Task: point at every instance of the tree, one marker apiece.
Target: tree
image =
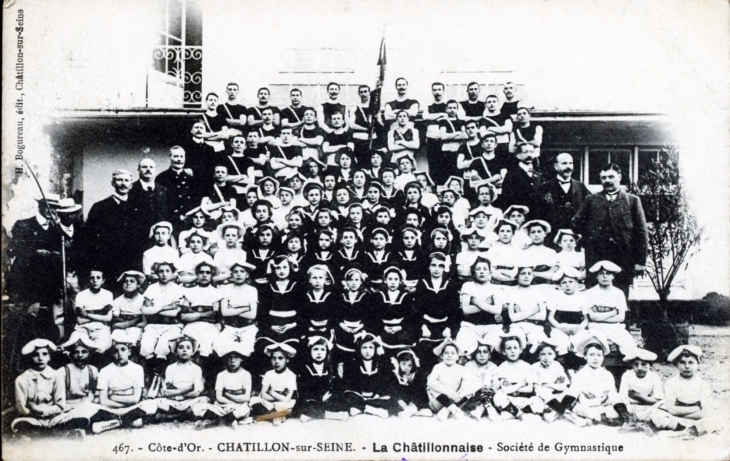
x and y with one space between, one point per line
674 234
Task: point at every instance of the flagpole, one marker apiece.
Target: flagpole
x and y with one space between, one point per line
375 97
55 220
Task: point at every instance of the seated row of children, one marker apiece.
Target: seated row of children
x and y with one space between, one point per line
461 384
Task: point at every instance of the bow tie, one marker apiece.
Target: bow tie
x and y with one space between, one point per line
567 181
611 197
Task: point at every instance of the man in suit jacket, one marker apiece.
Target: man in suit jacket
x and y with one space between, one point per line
561 197
178 180
151 202
613 226
35 248
109 233
521 181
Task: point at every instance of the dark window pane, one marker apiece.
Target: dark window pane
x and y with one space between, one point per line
623 159
193 24
596 161
646 162
175 15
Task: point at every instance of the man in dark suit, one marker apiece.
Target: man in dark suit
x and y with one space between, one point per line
561 197
35 247
201 158
151 202
613 226
110 231
521 181
178 180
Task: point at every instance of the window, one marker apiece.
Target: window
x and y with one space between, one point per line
647 158
177 55
598 158
167 55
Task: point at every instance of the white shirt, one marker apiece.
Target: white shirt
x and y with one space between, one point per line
650 385
127 306
456 378
484 374
574 259
238 382
189 261
115 378
688 391
514 372
549 375
91 301
158 254
280 382
182 375
164 295
596 381
611 297
226 257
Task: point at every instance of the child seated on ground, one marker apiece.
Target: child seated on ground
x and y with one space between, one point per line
484 370
514 381
179 392
640 386
94 311
450 385
40 394
80 378
548 376
317 384
120 389
606 308
127 308
232 391
279 386
409 387
687 397
593 388
365 380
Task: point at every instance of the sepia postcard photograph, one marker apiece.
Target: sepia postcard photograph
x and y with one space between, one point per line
365 230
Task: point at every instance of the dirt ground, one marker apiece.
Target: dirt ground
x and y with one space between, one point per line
368 434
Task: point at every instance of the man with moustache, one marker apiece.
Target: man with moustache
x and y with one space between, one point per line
150 200
109 230
332 105
401 102
255 118
613 227
178 180
200 158
561 197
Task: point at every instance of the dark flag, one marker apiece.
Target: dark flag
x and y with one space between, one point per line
375 95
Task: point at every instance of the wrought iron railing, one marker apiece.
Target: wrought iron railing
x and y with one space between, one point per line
182 66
